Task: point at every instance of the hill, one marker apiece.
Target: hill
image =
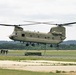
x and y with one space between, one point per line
69 42
64 42
66 45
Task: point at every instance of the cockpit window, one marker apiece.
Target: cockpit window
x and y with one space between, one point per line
13 33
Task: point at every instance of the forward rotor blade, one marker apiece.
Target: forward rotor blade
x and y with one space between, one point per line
6 25
15 25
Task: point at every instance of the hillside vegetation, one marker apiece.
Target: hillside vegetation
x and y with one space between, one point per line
66 45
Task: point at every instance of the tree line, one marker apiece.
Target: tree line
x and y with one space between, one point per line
21 46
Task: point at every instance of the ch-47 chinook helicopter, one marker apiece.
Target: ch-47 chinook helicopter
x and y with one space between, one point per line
56 34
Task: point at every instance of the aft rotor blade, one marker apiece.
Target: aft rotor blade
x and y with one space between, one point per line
65 24
34 22
68 23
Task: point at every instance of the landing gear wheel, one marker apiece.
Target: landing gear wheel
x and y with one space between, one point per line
51 45
27 44
33 44
57 45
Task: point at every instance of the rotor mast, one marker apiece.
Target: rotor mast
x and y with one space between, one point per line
17 28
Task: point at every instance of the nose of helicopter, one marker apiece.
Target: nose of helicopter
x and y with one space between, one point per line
11 37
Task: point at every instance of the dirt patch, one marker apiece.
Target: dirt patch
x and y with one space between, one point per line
39 65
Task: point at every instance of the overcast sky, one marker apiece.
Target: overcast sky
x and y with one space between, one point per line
55 11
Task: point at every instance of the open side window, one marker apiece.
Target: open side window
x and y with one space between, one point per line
23 35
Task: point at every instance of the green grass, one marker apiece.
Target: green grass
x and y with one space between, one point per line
18 58
70 54
20 72
48 52
63 55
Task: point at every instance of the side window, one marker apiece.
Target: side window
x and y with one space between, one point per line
61 38
23 35
45 37
15 33
30 35
48 37
38 36
52 38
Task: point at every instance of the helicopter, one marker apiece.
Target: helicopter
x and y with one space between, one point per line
55 36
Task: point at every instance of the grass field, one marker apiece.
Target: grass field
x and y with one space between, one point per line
59 55
19 72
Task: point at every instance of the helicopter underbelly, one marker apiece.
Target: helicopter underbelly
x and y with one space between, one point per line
41 40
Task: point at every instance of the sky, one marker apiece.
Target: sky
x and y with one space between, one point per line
53 11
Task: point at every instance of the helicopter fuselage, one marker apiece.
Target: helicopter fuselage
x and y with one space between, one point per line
55 36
